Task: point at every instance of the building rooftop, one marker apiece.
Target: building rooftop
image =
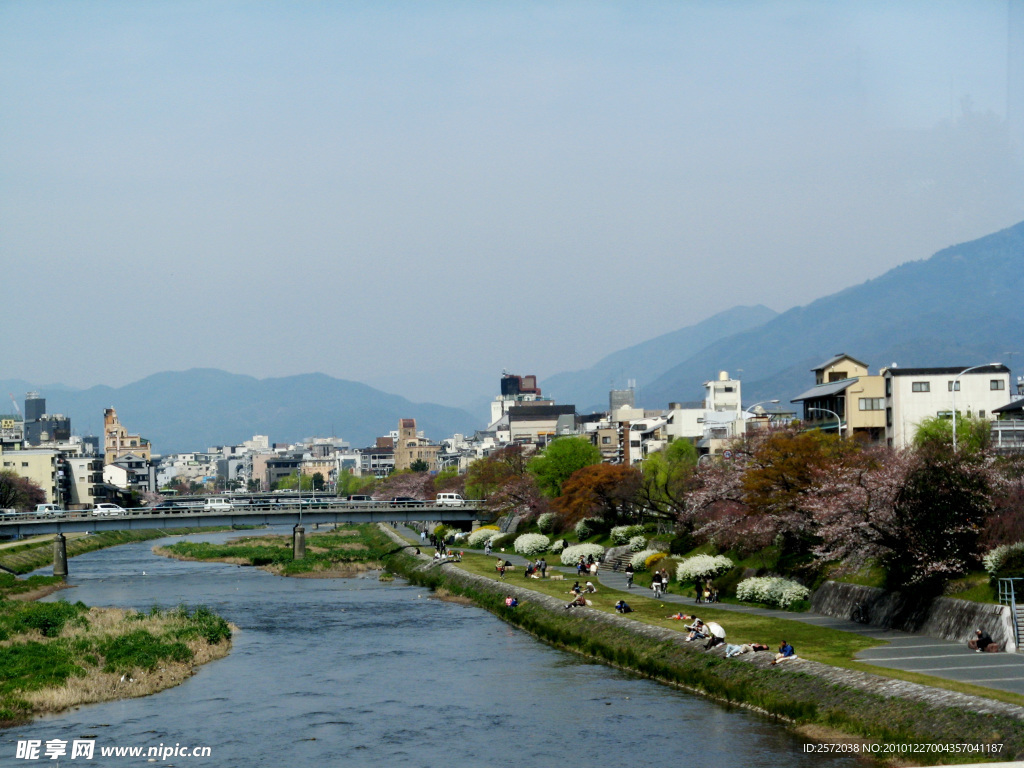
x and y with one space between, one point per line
824 390
946 371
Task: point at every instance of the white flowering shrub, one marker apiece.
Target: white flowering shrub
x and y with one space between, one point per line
994 559
771 590
481 535
530 544
546 522
558 546
571 555
637 543
700 567
622 534
587 527
639 560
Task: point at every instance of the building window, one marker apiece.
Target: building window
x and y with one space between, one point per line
997 384
888 417
872 403
605 440
981 414
888 387
954 386
921 386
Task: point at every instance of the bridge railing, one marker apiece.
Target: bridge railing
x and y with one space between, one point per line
222 508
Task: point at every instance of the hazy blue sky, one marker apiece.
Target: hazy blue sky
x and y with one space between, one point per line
395 192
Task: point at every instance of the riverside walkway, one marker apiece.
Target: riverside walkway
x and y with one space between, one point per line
904 651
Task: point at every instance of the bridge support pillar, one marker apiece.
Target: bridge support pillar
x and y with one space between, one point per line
60 556
298 543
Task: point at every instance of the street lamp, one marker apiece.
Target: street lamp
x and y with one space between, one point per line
839 421
955 387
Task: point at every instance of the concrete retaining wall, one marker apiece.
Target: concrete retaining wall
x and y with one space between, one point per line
941 617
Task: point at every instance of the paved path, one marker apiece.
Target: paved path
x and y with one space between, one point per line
909 652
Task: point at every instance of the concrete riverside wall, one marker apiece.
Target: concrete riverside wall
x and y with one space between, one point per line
887 687
941 617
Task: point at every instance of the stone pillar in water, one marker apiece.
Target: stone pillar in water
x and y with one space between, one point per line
60 556
298 542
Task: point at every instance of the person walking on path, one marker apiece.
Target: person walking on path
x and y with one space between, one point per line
629 575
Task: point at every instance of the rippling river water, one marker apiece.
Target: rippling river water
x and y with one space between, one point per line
356 672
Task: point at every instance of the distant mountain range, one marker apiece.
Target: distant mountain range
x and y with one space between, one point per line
196 409
646 362
963 306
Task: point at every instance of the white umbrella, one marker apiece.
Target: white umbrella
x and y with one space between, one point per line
715 629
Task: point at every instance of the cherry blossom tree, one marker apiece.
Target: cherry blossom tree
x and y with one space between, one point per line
917 513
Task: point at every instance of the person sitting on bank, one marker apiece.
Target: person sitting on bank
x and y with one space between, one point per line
576 588
697 630
680 616
579 602
785 653
622 607
981 641
590 589
511 602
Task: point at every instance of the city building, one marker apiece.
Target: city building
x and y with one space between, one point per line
915 394
411 447
118 442
847 399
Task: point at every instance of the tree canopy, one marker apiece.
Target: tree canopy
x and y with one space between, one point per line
559 460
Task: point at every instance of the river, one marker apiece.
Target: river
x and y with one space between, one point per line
358 672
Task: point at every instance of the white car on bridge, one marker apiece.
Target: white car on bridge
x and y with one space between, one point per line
104 509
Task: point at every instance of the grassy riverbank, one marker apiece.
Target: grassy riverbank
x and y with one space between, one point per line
805 701
32 555
54 656
343 551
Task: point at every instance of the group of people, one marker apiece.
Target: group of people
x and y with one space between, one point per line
536 570
511 602
707 593
588 565
659 582
579 594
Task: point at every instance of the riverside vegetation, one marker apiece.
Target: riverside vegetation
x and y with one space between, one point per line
35 554
60 655
343 551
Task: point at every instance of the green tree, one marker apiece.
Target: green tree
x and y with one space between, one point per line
559 460
349 484
668 477
318 481
295 481
973 435
419 466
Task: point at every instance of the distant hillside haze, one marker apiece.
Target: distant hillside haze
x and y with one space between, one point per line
647 361
196 409
962 306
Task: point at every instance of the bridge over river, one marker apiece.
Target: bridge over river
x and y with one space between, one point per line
294 512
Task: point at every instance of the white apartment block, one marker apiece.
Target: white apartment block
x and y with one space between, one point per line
915 394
